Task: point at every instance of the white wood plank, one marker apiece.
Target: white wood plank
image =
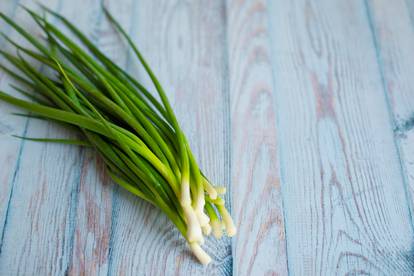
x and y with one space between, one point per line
184 43
260 246
393 35
40 229
345 205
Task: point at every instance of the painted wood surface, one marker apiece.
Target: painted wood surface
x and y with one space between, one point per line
183 41
344 197
260 246
303 109
393 40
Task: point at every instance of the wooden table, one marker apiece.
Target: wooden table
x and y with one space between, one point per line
304 109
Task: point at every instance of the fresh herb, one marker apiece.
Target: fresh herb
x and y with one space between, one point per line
139 137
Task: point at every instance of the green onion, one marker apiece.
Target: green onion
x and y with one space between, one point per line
138 137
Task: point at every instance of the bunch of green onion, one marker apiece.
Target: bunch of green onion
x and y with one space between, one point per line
138 136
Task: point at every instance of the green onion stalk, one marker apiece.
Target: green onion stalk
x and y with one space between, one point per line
137 135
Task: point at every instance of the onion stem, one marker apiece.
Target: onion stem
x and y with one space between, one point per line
138 137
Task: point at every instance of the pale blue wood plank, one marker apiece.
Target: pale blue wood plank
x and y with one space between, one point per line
344 199
21 221
260 245
10 157
12 149
42 228
183 42
93 215
393 34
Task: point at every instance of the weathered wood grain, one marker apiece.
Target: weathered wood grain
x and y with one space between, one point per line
28 203
43 224
345 205
92 213
394 40
92 221
184 43
10 154
309 102
260 246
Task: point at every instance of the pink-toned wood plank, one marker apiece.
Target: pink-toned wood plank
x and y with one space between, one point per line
260 246
184 42
91 233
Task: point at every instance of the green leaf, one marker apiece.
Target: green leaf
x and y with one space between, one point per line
59 141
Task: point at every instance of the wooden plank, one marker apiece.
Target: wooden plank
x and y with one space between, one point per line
8 262
93 212
183 42
393 34
345 206
260 246
41 226
92 219
9 124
